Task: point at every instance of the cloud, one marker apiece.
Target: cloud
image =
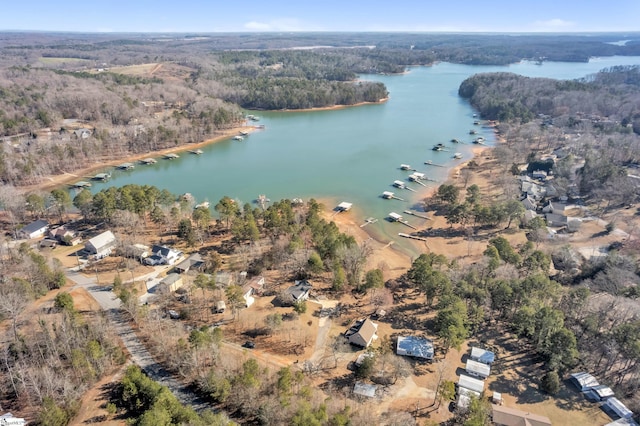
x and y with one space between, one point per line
553 24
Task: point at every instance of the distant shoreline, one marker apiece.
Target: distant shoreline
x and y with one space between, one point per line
333 107
51 182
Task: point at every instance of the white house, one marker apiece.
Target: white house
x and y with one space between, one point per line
34 229
247 295
362 333
101 245
162 255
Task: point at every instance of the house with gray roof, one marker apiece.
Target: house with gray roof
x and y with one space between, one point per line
417 347
34 229
299 291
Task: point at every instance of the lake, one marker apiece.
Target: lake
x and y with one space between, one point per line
351 154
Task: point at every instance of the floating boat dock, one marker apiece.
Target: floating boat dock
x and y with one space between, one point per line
417 178
390 196
395 217
400 184
406 167
342 207
416 214
431 163
101 176
369 221
81 184
413 237
148 161
171 156
457 155
238 138
196 151
125 166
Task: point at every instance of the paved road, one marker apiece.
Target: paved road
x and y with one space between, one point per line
139 354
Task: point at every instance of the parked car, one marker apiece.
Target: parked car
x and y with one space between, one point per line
173 314
249 344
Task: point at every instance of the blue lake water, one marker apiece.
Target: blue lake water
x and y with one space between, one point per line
350 154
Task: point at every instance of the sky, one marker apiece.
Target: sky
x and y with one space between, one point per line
321 15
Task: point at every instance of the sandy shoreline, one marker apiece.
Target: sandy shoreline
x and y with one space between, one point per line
51 182
393 259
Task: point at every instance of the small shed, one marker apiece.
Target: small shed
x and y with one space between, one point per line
616 407
584 381
478 369
220 307
358 362
470 383
496 398
365 390
622 422
417 347
482 355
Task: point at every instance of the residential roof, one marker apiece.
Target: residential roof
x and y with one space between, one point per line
478 368
34 226
602 391
419 347
257 283
102 240
622 422
364 389
584 380
618 408
554 219
511 417
364 334
482 355
170 279
470 383
163 250
299 289
464 397
193 261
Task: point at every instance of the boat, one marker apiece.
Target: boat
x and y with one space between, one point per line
438 147
196 151
454 140
405 167
475 115
472 132
244 133
476 122
171 156
125 166
253 117
238 138
148 161
457 155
